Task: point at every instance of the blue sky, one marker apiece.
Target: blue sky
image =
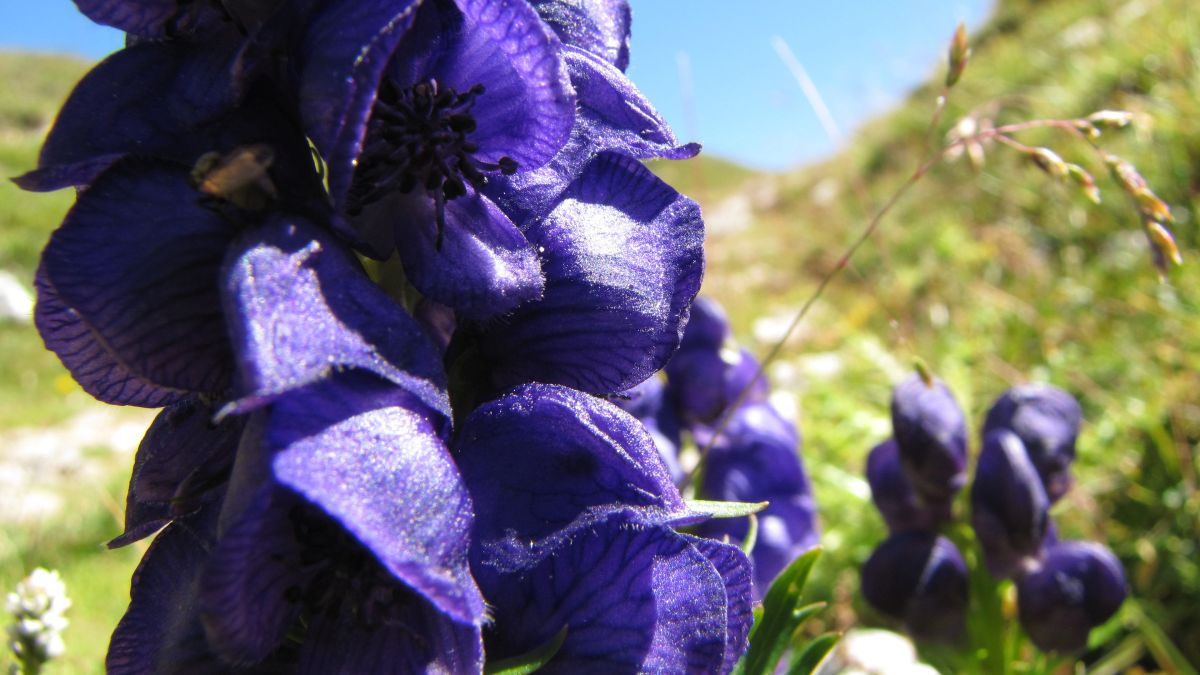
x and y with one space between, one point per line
862 57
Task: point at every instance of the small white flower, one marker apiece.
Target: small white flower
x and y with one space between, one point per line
37 607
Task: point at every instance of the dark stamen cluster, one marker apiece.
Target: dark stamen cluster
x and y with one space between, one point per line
418 139
344 579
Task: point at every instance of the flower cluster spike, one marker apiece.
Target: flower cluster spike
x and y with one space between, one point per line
715 392
915 575
417 469
1064 588
37 607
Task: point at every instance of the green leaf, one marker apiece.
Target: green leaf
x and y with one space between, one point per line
810 656
530 660
781 616
725 509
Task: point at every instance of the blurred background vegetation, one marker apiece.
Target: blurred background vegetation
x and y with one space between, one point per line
993 277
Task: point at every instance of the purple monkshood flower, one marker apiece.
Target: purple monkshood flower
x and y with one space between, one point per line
921 579
1078 586
415 106
757 458
1047 420
1009 507
574 516
705 383
902 507
931 433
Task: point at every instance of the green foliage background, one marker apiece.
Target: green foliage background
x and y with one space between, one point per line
992 278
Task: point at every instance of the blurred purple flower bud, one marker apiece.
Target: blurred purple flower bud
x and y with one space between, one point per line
757 459
920 578
1046 419
705 383
647 402
901 507
931 434
1078 586
1008 505
708 327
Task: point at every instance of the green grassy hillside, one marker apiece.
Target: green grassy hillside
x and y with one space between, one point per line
1004 275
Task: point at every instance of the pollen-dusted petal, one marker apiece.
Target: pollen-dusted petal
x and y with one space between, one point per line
735 571
648 403
301 307
485 266
132 273
1009 506
419 640
373 458
537 458
344 52
623 258
634 599
597 26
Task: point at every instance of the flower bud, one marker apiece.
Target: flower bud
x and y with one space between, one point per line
920 578
703 383
707 326
1078 586
959 54
1049 161
1111 118
1046 419
1008 505
931 434
901 507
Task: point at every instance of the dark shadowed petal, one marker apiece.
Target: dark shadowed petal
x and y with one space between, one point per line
540 456
921 578
373 458
156 19
416 639
902 508
633 598
597 26
180 463
250 580
612 115
161 630
136 264
97 370
57 177
1009 507
734 569
485 266
931 433
1079 586
344 53
1046 419
148 99
300 306
623 259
